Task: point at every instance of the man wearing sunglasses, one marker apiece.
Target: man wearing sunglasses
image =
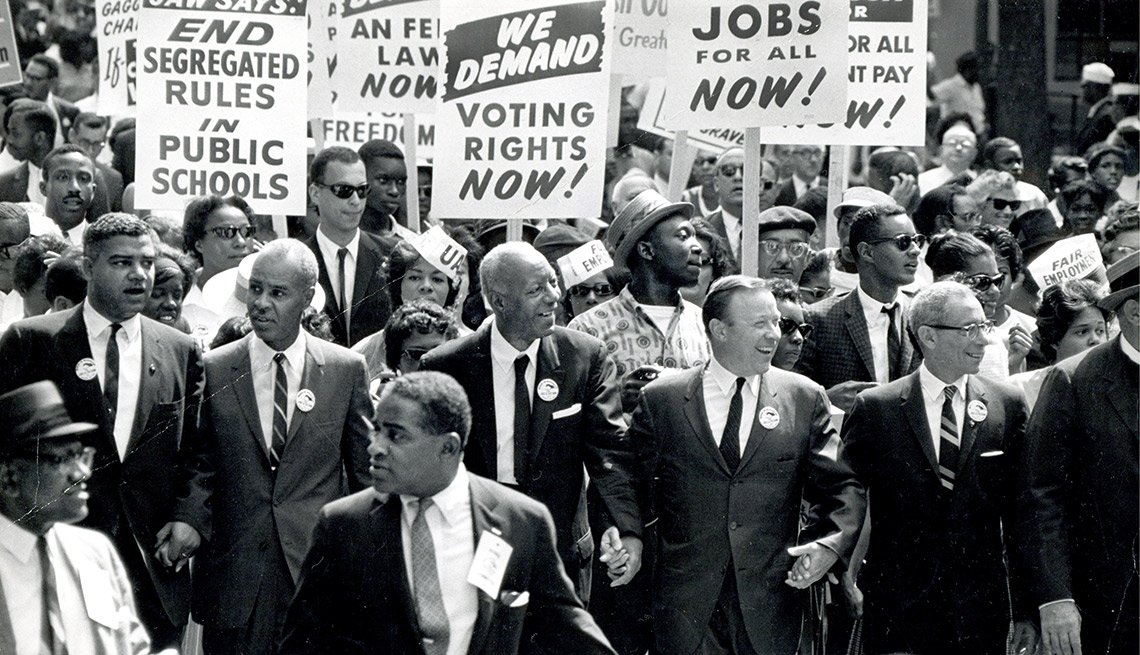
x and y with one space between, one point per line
349 259
937 451
729 183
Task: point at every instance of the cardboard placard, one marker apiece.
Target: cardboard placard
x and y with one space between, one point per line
387 55
116 26
640 41
583 262
441 251
353 130
1073 258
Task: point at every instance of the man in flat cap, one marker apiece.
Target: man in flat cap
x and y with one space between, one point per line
62 588
784 247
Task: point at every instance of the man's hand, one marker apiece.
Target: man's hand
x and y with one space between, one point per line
843 394
177 542
813 561
631 388
853 595
621 555
1024 638
1061 628
1020 342
903 188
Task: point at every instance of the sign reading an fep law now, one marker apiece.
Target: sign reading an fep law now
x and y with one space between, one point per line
116 26
220 103
387 55
886 80
741 63
521 125
640 42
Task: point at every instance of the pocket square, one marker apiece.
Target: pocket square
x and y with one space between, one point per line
569 411
992 453
514 598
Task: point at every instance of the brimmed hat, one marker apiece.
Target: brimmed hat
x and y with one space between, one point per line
33 413
862 196
558 240
1097 73
1035 230
782 218
1123 282
225 293
636 219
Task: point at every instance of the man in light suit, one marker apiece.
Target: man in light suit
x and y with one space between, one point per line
570 417
284 426
434 559
937 451
730 449
140 383
75 594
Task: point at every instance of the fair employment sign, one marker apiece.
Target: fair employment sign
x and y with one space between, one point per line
521 124
387 56
218 104
117 24
755 64
886 80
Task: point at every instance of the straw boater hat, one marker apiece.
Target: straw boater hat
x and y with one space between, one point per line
1123 282
636 219
862 196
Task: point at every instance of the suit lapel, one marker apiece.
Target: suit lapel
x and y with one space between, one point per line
311 380
241 381
699 419
549 368
74 347
148 389
483 519
331 307
367 263
1121 391
857 328
483 402
975 392
765 398
389 551
914 409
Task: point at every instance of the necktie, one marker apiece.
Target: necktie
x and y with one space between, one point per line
111 370
280 411
948 433
51 631
730 439
341 295
522 420
425 578
894 343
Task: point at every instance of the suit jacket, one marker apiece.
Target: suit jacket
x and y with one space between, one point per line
240 506
111 182
137 491
716 221
787 193
935 579
14 188
371 305
67 112
1080 488
101 619
583 425
839 349
354 595
710 519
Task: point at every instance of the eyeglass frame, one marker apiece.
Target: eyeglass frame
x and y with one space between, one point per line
971 331
788 325
990 280
912 239
361 190
246 231
1013 205
85 456
785 246
818 293
596 289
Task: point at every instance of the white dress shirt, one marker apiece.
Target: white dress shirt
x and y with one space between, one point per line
264 371
732 229
21 576
35 176
933 395
11 308
802 186
75 234
503 356
878 325
719 385
328 253
453 534
129 339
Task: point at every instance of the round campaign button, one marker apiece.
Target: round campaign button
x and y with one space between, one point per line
769 418
85 369
547 390
977 411
306 400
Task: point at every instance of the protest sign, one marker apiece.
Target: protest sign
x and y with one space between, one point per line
1074 258
117 25
886 80
9 56
387 54
352 130
652 120
639 37
521 126
441 251
322 57
585 261
220 84
755 63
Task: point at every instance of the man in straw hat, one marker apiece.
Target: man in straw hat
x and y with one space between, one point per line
62 588
1079 524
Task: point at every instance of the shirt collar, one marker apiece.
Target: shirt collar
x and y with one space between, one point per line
261 355
97 323
16 540
933 388
726 380
329 249
504 354
872 306
452 501
1129 351
75 234
729 217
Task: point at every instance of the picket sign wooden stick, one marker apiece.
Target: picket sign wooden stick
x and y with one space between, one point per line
837 171
514 229
749 237
318 127
412 196
682 164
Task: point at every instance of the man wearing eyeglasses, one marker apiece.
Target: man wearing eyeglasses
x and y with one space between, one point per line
784 249
61 587
729 184
807 162
349 259
937 452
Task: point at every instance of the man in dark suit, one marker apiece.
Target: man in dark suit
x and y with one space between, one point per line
434 559
349 259
730 449
807 162
284 422
729 184
387 188
536 431
937 451
1080 528
140 382
860 339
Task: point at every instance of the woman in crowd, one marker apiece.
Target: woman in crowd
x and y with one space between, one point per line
958 147
594 290
1013 327
716 262
815 282
173 277
793 330
996 195
1122 232
1106 167
1082 203
217 231
413 329
947 207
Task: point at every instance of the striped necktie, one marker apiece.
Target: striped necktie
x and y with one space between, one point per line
948 434
280 412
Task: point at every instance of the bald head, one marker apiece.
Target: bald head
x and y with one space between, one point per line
522 290
296 255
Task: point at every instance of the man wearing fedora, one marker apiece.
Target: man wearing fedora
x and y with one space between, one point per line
284 428
1079 525
62 588
140 382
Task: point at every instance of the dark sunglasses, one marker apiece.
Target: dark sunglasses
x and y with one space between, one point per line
818 293
1000 204
983 282
583 290
788 326
345 191
903 241
230 231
